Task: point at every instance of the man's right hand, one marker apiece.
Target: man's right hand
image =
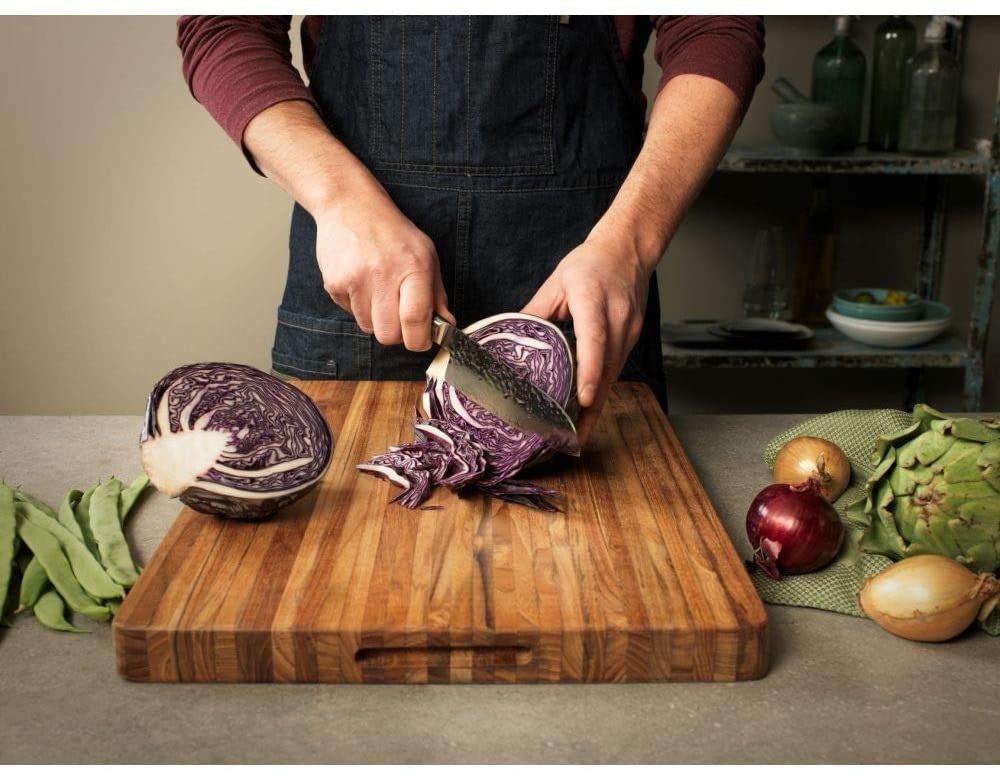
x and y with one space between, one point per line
375 262
380 267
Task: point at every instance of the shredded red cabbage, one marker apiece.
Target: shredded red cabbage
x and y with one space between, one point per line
462 446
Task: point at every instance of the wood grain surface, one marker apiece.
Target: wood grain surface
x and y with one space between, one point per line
636 580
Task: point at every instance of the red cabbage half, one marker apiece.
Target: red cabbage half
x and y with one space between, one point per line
232 440
461 445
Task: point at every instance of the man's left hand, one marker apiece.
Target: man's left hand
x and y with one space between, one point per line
602 285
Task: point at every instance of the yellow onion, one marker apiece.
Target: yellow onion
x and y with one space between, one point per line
928 597
804 458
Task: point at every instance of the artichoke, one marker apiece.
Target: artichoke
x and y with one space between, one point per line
936 490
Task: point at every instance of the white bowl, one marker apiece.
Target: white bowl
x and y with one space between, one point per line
937 319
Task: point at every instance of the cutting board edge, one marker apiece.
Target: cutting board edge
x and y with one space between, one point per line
751 646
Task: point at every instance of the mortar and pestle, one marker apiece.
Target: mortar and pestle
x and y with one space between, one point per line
806 127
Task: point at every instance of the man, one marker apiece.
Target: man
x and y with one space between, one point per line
468 166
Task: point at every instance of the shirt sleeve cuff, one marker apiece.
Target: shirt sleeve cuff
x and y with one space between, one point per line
729 50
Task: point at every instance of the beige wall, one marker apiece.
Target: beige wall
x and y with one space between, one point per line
133 237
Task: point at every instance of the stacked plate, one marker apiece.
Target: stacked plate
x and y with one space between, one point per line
762 333
935 319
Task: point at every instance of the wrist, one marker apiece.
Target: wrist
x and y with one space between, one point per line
341 187
631 241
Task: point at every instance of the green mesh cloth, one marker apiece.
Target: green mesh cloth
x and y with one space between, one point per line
836 587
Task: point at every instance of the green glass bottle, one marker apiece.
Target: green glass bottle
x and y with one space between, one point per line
930 98
895 41
838 77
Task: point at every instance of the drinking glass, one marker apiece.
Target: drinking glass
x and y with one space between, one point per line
766 293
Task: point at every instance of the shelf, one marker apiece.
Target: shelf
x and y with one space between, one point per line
828 349
780 160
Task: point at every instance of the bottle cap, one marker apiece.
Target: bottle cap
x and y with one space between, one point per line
841 25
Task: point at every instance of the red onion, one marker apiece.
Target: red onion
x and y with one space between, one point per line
793 529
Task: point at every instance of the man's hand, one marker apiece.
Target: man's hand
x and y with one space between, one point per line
602 285
380 267
375 263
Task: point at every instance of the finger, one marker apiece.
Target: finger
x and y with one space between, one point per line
385 317
416 306
591 329
615 352
546 302
360 306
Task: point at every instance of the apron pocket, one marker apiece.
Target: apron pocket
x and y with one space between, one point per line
464 94
312 348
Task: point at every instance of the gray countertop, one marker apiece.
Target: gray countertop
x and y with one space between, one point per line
839 689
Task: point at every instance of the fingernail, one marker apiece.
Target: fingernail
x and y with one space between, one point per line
587 395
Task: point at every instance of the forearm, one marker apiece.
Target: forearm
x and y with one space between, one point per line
293 147
692 122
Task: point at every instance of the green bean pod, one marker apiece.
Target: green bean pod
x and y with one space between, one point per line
66 516
82 514
21 496
107 530
34 582
130 495
114 606
8 544
51 612
87 569
60 572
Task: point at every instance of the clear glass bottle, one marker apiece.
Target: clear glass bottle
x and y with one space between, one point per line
930 97
838 77
895 42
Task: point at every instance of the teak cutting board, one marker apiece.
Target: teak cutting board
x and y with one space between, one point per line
635 581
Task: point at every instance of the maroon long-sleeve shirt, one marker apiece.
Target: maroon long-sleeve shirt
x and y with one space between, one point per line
238 66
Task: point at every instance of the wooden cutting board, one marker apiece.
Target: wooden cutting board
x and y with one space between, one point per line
635 581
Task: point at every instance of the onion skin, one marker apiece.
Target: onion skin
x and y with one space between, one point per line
804 457
928 598
793 529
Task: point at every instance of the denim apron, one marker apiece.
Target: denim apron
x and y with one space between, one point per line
504 139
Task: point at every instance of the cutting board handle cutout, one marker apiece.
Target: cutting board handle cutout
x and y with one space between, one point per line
422 656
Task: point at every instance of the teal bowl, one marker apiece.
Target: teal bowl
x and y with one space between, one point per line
843 303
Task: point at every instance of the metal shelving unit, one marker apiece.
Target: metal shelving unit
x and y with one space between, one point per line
829 348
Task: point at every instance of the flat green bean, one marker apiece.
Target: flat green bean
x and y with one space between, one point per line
130 495
114 606
20 495
51 612
107 530
57 567
82 514
66 516
8 544
87 569
34 582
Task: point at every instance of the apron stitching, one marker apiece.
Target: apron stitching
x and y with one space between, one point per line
461 250
319 331
550 86
468 94
375 80
388 183
306 370
402 85
434 92
475 171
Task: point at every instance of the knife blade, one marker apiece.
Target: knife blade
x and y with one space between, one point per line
499 388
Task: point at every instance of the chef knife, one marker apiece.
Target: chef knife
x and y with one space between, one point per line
499 388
